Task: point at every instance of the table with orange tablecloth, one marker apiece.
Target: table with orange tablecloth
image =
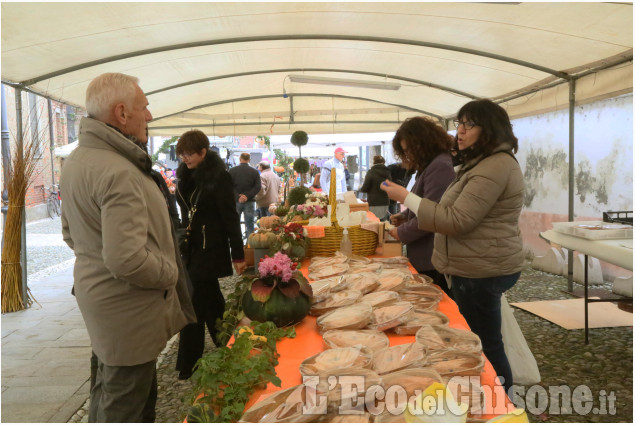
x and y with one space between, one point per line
308 342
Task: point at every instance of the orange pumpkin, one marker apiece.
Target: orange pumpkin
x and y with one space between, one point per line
269 222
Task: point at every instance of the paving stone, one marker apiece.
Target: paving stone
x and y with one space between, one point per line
67 353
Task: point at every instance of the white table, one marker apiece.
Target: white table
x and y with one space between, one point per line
614 251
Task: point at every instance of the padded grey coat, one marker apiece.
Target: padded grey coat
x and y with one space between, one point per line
128 279
476 221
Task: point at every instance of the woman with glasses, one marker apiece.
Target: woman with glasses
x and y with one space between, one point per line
205 194
423 147
478 242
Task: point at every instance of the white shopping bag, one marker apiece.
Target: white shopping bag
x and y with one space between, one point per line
522 361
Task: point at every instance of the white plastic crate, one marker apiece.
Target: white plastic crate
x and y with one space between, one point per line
594 230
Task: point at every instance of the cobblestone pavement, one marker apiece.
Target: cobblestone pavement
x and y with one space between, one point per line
47 253
605 365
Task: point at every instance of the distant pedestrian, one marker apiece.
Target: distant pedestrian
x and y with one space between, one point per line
246 186
377 198
337 163
270 188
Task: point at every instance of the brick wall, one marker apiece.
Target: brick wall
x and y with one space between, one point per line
42 176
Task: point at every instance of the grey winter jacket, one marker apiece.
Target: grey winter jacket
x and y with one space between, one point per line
128 279
476 221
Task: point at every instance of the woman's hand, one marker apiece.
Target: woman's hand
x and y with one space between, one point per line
394 233
395 192
240 267
397 219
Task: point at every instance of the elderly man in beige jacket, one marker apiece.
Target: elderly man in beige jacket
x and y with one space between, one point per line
129 282
270 188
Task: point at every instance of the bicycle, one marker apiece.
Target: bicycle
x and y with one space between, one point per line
53 201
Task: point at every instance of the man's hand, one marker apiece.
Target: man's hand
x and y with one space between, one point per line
242 198
240 267
397 219
395 192
393 232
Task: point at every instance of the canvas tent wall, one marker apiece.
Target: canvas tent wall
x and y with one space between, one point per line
231 68
225 67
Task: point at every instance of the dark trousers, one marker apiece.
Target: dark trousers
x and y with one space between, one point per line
122 393
263 212
439 279
209 305
479 301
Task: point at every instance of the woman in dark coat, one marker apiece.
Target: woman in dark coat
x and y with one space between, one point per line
206 197
423 146
377 198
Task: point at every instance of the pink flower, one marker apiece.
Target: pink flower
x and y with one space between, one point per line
280 266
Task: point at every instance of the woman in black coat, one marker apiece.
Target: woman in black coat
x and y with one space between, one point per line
206 197
377 198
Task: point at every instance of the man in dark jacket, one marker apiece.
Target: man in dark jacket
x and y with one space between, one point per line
246 186
377 202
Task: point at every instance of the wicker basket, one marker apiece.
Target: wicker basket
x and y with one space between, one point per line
364 241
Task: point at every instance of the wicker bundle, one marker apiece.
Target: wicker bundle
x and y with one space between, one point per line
364 241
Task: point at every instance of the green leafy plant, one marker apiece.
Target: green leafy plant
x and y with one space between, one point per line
297 195
301 165
299 138
283 159
265 139
233 310
226 377
165 147
282 211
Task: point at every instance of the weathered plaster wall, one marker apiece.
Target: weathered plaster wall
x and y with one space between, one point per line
603 170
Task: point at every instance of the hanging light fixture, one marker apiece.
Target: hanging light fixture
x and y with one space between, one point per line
307 79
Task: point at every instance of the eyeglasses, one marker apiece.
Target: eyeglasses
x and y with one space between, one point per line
467 124
185 155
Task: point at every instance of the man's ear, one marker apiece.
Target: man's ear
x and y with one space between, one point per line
120 114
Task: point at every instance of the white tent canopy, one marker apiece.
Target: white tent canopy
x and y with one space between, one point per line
227 67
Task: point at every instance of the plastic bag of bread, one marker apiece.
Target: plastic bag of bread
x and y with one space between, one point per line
355 316
336 358
391 315
399 357
441 337
419 319
373 340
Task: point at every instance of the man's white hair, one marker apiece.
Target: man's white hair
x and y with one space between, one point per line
108 89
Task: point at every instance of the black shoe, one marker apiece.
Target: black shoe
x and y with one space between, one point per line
184 375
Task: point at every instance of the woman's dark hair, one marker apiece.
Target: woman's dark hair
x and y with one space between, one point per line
496 127
193 141
378 159
425 140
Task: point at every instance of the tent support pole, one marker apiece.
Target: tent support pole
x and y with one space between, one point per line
6 161
571 175
20 153
52 139
291 118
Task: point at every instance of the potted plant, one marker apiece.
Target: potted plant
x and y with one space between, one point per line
280 293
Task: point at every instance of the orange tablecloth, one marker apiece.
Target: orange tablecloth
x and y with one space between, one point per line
308 342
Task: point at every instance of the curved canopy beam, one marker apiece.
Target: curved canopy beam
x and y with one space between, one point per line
271 71
63 71
268 96
238 124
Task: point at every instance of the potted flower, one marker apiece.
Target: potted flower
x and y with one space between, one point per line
280 293
290 240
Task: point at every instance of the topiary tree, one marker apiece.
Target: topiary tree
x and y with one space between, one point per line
299 138
297 195
301 166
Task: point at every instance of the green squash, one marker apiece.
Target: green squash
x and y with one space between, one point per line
279 309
